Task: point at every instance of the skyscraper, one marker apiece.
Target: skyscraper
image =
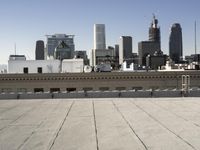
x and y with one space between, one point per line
154 31
99 36
151 46
39 50
175 43
63 51
125 48
54 40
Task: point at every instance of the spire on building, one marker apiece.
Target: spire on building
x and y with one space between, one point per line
154 30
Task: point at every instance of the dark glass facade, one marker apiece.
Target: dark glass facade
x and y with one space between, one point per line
175 43
39 50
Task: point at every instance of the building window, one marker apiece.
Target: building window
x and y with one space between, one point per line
54 90
87 89
25 69
39 69
104 88
38 90
6 90
120 88
23 90
137 88
71 89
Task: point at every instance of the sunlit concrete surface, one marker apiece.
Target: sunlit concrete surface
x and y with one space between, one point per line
100 124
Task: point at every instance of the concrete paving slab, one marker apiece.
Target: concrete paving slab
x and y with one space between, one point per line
45 134
14 136
78 130
111 128
100 124
174 124
154 135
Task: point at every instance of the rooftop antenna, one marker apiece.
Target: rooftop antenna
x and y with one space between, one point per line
195 37
15 49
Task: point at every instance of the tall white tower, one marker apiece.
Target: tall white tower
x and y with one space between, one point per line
99 36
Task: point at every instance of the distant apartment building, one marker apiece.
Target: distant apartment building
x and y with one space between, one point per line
17 64
82 54
54 40
175 43
102 56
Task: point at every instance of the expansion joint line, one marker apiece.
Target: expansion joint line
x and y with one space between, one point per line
127 122
32 133
95 125
19 117
164 126
173 113
60 128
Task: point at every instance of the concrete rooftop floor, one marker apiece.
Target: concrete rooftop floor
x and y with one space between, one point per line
100 124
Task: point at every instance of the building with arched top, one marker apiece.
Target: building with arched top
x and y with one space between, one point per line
175 43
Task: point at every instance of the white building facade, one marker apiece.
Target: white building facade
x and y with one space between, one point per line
45 66
72 65
33 66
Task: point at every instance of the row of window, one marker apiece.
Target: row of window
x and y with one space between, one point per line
72 89
39 70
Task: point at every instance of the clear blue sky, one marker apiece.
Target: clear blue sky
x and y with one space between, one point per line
25 21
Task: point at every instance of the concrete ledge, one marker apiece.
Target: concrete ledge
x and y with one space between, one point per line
8 96
135 94
102 94
35 96
194 93
80 94
176 93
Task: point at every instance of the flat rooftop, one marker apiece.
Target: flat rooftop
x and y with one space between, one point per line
100 124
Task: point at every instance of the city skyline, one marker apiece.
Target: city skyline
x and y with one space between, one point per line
25 22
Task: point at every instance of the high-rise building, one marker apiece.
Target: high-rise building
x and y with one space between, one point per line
151 46
39 50
63 51
54 40
117 50
154 31
175 43
146 48
82 54
99 36
125 48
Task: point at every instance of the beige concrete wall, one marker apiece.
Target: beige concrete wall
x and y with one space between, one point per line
113 80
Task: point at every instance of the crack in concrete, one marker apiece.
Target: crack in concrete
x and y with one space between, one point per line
37 127
164 108
95 124
164 126
60 128
23 114
130 126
